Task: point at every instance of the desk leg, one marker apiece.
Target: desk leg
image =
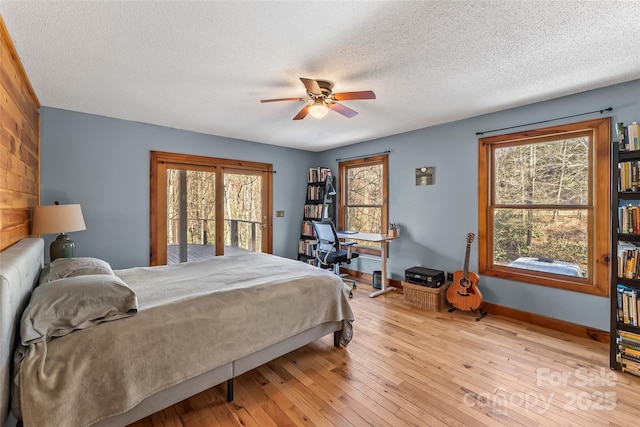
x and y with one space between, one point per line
385 281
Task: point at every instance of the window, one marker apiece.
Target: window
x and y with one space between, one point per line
363 191
544 206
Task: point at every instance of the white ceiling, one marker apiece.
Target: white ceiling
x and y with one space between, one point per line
204 66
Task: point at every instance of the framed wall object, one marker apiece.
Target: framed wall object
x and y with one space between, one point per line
426 175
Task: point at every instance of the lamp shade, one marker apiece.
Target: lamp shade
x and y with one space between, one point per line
53 219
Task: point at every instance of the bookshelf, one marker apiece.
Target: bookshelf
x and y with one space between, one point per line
625 268
320 203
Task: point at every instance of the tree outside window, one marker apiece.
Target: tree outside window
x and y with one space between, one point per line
363 192
544 206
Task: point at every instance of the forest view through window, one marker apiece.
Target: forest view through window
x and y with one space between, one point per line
540 214
191 215
543 203
203 207
363 197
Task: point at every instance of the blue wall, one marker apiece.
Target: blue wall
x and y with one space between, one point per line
435 219
103 164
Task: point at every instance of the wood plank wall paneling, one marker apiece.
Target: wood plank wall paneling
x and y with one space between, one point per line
19 145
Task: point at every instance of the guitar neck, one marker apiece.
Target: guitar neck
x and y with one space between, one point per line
466 261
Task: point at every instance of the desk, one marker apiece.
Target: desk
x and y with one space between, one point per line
373 237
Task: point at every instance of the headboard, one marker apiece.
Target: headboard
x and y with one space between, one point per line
20 266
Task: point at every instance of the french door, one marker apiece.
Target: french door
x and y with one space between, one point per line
203 207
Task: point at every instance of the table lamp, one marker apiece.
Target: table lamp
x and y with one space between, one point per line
61 219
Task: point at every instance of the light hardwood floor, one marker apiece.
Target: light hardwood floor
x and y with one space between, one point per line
408 366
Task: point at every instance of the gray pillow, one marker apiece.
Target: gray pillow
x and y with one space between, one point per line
62 306
71 267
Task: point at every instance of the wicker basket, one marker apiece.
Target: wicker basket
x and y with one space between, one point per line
433 299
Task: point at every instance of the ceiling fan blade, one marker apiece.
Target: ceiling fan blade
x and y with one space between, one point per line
312 86
302 113
364 94
345 111
283 99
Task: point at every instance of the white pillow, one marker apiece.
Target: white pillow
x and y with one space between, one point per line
62 306
71 267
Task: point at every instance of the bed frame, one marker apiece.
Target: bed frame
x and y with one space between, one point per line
20 267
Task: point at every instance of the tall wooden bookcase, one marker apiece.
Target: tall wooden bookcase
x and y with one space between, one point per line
320 204
625 250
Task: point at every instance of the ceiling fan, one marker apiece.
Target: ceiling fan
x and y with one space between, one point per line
319 92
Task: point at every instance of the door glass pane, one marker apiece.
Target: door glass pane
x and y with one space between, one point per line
190 215
548 240
243 217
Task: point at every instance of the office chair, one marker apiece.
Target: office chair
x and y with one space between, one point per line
330 254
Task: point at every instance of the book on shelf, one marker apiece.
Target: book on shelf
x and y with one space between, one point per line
629 352
315 193
619 305
625 308
313 211
629 176
632 336
318 174
307 247
631 363
307 228
628 305
629 219
628 261
627 348
628 136
630 371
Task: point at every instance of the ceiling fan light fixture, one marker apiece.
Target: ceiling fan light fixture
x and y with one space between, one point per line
318 109
319 92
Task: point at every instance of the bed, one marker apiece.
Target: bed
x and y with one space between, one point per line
194 326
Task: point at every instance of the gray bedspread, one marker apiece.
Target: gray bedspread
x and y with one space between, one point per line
191 318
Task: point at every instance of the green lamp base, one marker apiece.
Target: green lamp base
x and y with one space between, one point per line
62 247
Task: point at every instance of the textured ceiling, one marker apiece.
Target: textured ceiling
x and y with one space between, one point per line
204 66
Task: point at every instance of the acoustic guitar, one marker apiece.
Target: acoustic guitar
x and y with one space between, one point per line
463 293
